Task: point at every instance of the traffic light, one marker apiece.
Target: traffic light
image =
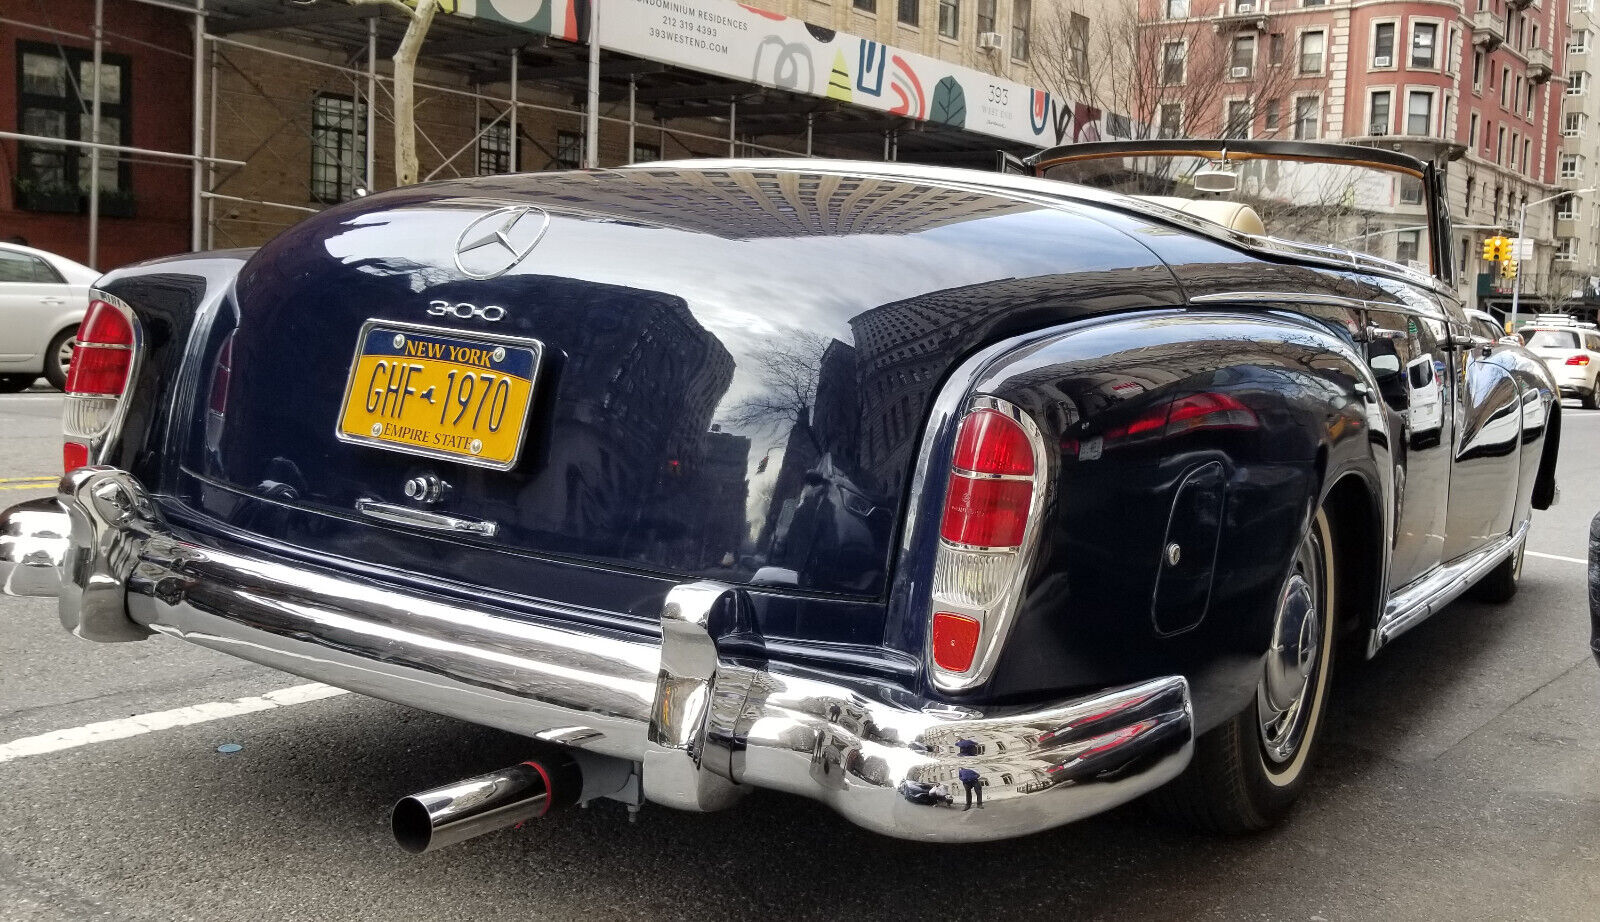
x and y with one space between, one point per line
1496 249
1508 269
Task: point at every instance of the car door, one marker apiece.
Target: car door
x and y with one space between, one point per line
1488 436
32 295
1407 350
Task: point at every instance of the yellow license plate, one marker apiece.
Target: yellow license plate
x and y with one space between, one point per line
432 392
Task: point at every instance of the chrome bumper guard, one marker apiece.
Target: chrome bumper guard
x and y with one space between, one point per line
707 722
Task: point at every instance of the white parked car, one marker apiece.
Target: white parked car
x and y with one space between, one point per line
1571 351
42 298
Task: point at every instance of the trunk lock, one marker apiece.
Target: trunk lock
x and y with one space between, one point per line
426 488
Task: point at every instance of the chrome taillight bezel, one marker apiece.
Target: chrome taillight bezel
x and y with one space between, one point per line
101 442
997 617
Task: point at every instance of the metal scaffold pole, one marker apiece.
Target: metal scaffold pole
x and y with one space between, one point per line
516 147
371 181
197 136
633 89
94 135
591 140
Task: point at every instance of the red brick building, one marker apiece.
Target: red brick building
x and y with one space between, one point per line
1470 83
145 103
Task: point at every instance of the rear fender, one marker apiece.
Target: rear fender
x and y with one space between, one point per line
1216 433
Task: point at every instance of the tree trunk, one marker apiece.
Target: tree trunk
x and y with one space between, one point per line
405 96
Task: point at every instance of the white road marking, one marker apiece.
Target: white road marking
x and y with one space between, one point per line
139 724
1558 557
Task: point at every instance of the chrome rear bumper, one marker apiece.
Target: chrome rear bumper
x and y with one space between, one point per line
705 728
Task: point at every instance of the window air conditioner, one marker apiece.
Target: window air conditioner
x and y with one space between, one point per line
1239 72
1378 129
1382 60
989 41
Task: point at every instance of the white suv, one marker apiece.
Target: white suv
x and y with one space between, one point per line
1572 353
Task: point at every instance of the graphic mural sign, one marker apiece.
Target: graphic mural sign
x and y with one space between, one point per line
744 43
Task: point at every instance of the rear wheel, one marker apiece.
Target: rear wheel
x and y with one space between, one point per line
1247 773
57 357
1501 583
1590 400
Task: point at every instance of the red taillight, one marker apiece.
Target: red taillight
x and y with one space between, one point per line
986 513
73 456
955 641
104 353
991 486
1578 360
991 442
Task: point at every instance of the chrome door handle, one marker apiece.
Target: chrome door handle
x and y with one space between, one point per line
52 300
1372 332
437 521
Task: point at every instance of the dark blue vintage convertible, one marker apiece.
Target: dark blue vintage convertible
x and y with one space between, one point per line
966 503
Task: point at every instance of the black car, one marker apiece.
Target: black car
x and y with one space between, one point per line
859 481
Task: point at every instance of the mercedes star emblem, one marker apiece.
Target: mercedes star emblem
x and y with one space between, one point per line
491 245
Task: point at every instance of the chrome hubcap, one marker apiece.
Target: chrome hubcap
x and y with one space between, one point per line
1284 696
64 356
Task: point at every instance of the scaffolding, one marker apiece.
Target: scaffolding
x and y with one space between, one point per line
702 114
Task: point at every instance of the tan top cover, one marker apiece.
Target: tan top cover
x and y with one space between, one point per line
1231 215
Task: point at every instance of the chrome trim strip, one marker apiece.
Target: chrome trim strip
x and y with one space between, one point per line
1426 596
1301 297
422 518
706 727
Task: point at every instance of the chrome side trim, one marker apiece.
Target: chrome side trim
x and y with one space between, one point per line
421 518
1415 603
1223 298
33 540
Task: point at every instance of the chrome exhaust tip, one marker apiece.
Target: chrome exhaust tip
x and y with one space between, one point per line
433 819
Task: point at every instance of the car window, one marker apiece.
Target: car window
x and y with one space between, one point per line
1486 329
1592 343
20 267
1553 339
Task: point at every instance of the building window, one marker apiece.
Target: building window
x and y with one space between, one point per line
1571 166
53 100
1271 116
1452 52
1275 48
1466 208
1172 55
949 17
1240 115
1311 44
1578 41
1383 45
1567 250
1305 118
1514 139
1527 149
907 12
1567 208
1177 9
986 14
1477 71
1419 112
1505 87
1472 132
1406 244
1423 53
646 153
569 150
1243 57
1314 2
1500 145
338 146
1380 121
1577 83
1021 22
1169 120
1078 44
865 6
1244 6
494 147
1572 125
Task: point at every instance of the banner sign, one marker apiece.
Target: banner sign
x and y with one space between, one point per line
769 49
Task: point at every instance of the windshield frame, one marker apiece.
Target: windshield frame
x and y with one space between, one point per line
1441 268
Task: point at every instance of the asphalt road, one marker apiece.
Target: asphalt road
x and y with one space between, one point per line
1461 781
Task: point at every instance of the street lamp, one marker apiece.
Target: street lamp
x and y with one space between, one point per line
1522 225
